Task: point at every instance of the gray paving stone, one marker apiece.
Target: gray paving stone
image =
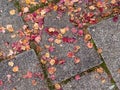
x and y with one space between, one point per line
88 57
106 35
91 81
6 19
26 62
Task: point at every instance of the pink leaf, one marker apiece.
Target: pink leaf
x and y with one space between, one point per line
28 75
77 77
1 82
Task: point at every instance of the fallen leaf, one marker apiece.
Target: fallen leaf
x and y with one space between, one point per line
25 9
52 61
90 45
10 28
36 26
11 63
76 60
87 37
77 77
43 61
1 82
70 54
15 69
12 12
100 70
51 70
47 54
38 39
58 41
9 77
34 82
28 75
103 80
76 48
99 50
63 30
80 32
57 86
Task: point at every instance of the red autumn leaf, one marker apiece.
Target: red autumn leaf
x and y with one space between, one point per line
115 18
62 61
70 54
52 33
68 40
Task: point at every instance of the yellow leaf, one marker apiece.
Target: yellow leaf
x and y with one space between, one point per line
58 41
29 1
52 61
11 63
12 12
10 28
57 86
15 69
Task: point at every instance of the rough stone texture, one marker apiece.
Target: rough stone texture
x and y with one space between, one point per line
106 35
89 58
5 19
26 61
91 81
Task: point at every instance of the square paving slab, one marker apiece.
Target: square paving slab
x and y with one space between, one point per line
91 81
10 23
106 35
67 56
22 73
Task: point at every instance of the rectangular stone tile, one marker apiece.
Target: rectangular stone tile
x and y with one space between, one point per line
59 62
90 81
106 35
29 75
7 37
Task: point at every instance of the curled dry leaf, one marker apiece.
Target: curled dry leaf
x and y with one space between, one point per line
100 70
34 82
77 77
57 86
43 61
25 9
63 30
1 82
58 41
70 54
37 39
11 63
99 50
76 60
87 37
12 12
76 48
103 80
52 61
28 75
47 55
51 70
90 45
15 69
10 28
